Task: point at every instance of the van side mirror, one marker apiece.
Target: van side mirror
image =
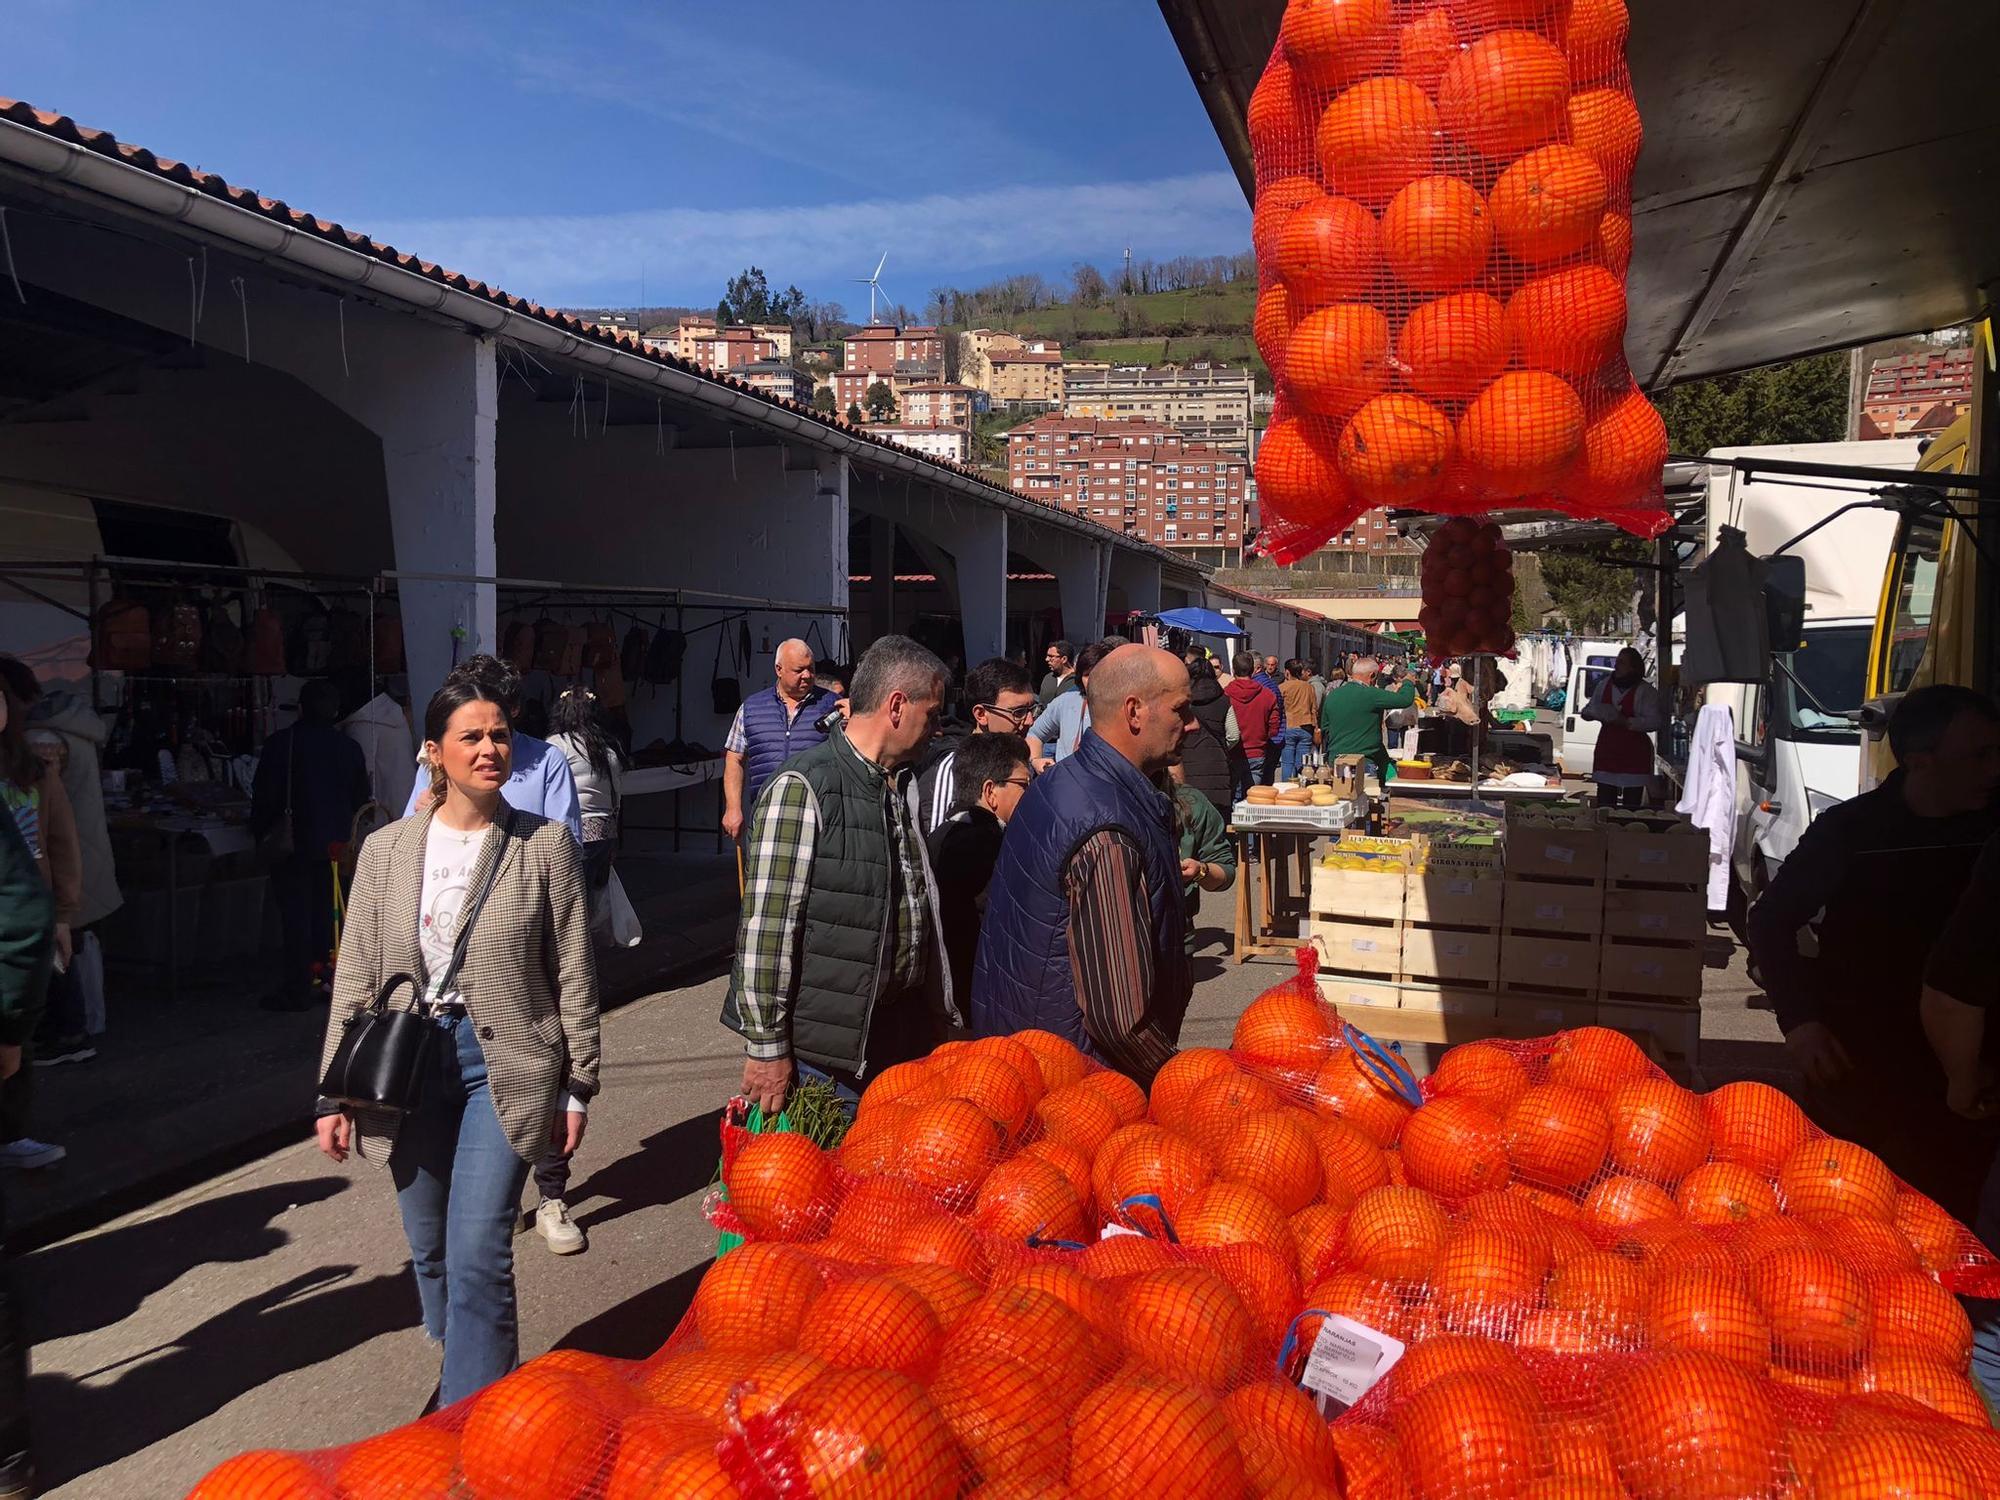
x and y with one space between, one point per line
1785 604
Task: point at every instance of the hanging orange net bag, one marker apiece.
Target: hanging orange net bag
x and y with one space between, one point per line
1443 225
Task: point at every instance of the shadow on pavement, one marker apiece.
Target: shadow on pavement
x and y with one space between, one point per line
664 1169
83 1423
636 1327
94 1282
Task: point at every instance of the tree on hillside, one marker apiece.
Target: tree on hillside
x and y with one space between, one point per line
1088 285
823 320
881 402
748 299
823 399
1801 402
854 413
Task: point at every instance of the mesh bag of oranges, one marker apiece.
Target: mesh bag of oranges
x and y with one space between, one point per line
1442 230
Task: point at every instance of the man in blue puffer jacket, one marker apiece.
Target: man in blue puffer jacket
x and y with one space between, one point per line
1083 931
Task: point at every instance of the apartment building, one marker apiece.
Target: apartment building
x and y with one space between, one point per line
952 444
1027 377
978 346
701 342
1912 394
882 349
934 403
1136 476
1210 403
776 377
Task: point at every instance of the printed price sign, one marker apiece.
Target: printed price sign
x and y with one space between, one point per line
1347 1358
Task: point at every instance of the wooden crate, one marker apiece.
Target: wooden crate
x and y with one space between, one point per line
1451 955
1553 906
1524 1013
1450 898
1358 947
1448 1000
1671 970
1678 915
1342 894
1541 850
1539 961
1675 1025
1359 991
1667 853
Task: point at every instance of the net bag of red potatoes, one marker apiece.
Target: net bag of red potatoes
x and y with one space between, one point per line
1442 230
1551 1273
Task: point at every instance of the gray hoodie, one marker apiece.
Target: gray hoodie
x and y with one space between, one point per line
70 715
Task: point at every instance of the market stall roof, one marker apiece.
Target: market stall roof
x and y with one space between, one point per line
1530 530
1817 173
47 152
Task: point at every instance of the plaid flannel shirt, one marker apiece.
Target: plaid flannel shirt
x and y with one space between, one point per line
778 849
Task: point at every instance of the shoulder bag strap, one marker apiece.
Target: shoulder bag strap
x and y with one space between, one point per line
470 912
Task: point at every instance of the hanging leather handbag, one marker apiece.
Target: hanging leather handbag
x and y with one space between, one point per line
726 693
379 1061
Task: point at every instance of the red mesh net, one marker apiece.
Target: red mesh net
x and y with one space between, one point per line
1443 225
1020 1275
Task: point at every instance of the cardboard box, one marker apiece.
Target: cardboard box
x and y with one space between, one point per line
1360 893
1627 968
1656 916
1548 906
1531 962
1370 948
1660 854
1451 898
1451 953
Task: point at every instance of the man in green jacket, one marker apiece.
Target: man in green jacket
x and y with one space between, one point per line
27 947
1350 716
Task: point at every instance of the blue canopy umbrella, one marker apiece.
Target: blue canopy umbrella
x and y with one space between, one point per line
1200 621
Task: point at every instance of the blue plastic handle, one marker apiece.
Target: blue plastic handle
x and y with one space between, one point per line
1152 1201
1382 1064
1291 1343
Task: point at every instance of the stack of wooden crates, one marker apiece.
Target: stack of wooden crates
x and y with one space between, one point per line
1597 922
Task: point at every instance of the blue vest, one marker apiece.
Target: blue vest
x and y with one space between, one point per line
1022 977
769 739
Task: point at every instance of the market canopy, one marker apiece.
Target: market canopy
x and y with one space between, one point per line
1200 621
1817 173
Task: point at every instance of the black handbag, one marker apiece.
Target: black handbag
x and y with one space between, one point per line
726 693
381 1057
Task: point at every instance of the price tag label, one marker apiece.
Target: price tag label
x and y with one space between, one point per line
1652 856
1553 911
1363 945
1112 1231
1459 887
1653 921
1346 1360
1560 854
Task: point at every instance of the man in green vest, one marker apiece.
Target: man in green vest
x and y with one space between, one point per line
840 969
1350 716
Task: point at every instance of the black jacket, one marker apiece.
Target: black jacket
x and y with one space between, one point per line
964 850
1204 753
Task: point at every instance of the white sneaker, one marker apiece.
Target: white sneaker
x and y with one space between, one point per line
552 1223
29 1154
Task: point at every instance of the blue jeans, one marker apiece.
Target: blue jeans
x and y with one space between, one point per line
1295 745
458 1184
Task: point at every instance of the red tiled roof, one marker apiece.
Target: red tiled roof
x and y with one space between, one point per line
103 143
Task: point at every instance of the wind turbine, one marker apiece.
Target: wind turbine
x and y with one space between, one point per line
874 285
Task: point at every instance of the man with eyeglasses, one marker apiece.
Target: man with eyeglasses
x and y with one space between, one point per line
989 774
1001 698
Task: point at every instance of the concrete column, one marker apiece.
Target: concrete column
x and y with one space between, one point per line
980 550
881 577
1138 577
833 476
1081 566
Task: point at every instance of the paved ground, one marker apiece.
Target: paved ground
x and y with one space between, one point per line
272 1305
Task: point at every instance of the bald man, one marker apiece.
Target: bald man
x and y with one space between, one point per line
1084 923
770 728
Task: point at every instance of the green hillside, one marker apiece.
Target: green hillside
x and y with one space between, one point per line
1228 308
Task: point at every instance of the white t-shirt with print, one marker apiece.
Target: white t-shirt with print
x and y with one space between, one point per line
449 859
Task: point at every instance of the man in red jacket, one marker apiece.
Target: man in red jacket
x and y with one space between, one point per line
1257 721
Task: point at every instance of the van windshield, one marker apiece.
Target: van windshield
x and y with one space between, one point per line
1832 667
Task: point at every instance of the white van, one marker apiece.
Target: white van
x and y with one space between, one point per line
1588 669
1796 753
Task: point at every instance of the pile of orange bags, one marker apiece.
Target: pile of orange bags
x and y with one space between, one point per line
1442 230
1020 1278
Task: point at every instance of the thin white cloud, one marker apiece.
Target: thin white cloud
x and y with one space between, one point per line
688 253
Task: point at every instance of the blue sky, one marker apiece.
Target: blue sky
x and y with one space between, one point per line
563 150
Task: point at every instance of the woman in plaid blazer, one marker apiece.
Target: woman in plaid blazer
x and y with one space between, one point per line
515 1060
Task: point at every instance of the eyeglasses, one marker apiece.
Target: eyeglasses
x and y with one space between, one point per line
1011 715
1010 781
